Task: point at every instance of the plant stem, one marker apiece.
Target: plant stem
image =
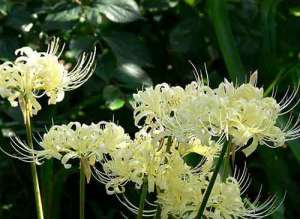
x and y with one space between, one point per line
226 169
81 191
158 212
142 199
212 182
35 179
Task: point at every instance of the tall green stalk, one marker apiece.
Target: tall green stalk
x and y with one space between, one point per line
212 181
158 212
35 179
142 199
81 191
220 20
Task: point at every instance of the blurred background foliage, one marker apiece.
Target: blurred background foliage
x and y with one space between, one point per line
141 43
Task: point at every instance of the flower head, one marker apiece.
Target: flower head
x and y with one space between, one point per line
183 197
74 140
132 163
241 113
34 74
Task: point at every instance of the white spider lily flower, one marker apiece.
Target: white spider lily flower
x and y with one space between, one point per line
34 74
183 195
132 163
241 113
160 163
71 141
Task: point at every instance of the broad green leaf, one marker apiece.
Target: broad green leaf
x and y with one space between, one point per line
191 2
116 104
106 66
62 20
80 44
58 182
295 11
188 36
8 45
155 5
5 7
18 18
132 76
295 148
93 16
114 97
111 92
120 11
128 47
279 176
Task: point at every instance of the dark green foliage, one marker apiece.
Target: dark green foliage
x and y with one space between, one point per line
140 43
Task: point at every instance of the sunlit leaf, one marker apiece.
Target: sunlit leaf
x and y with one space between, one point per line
116 104
93 16
120 11
62 20
133 76
154 5
114 97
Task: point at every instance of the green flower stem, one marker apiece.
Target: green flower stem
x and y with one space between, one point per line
168 150
81 191
212 182
142 199
35 179
158 212
226 169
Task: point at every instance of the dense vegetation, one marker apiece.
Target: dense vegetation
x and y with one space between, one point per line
141 46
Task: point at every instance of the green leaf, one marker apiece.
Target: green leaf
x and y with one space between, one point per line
58 183
191 2
8 45
5 7
93 16
80 44
226 40
127 47
156 5
133 76
295 148
131 55
113 97
62 20
111 92
116 104
293 145
279 176
106 66
188 36
119 11
18 18
269 61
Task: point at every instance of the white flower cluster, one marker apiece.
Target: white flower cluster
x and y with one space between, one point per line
75 140
175 122
241 113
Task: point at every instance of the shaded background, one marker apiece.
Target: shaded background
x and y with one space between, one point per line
142 43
